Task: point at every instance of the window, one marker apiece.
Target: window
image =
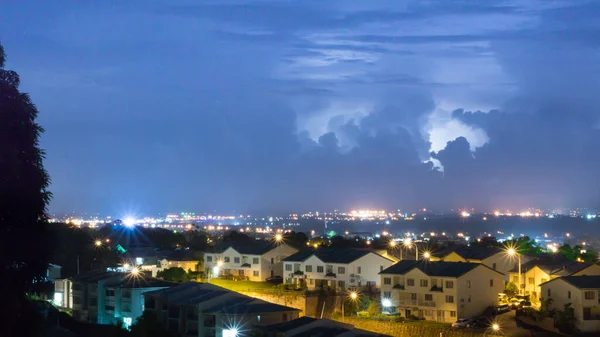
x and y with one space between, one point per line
449 299
126 308
494 266
589 295
226 259
587 314
77 286
236 260
288 267
531 281
549 293
469 284
491 283
308 268
410 282
319 269
109 292
424 283
516 279
452 313
272 260
428 297
413 296
255 273
311 281
387 280
469 300
255 260
341 270
208 258
569 294
387 294
358 270
241 273
341 284
449 284
109 307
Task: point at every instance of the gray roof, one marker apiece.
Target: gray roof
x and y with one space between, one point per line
257 247
554 264
439 268
290 325
328 255
581 282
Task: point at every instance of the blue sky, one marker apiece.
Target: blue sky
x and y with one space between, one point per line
278 105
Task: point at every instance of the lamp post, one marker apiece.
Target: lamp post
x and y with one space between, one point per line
353 296
494 328
513 252
408 243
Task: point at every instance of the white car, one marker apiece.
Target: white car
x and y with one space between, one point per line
461 323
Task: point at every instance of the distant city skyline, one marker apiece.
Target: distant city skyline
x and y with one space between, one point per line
269 106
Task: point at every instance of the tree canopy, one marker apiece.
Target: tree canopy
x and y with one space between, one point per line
23 196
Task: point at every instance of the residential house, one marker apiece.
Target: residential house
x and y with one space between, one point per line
255 261
105 297
546 268
493 257
206 310
336 268
582 292
308 326
439 291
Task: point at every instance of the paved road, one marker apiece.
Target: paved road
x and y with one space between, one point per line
508 322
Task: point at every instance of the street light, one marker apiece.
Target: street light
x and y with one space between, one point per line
408 243
353 296
98 243
494 328
135 271
427 255
278 237
512 252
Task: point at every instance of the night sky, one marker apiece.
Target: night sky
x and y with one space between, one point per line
182 105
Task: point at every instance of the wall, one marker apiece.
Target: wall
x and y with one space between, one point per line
475 294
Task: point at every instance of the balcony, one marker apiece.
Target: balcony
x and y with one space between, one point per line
436 288
399 286
407 302
330 274
246 265
427 303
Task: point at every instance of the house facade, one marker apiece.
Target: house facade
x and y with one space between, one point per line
582 293
439 291
255 261
206 310
340 268
105 297
493 257
536 272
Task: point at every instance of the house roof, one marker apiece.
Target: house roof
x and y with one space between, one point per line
290 325
439 268
342 256
184 255
94 276
139 282
581 282
556 265
476 252
257 247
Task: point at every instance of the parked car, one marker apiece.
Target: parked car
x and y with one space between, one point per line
275 279
479 322
525 304
515 302
461 323
502 308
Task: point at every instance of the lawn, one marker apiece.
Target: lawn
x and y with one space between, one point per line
242 285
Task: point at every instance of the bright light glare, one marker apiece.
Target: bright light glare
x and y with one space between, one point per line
427 255
495 326
353 295
233 332
129 222
278 237
98 243
386 302
215 271
407 242
392 244
220 263
135 271
465 214
511 251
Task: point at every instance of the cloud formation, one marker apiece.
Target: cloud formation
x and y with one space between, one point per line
271 105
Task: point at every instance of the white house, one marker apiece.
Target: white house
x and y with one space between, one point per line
105 297
254 261
439 291
582 292
341 268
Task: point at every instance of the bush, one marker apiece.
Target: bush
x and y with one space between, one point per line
374 308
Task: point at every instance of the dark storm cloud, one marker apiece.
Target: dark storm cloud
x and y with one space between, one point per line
256 105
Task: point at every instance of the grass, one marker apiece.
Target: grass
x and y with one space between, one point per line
242 285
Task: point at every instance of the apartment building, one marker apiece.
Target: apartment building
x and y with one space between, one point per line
546 268
206 310
439 291
308 326
255 261
493 257
105 297
582 292
336 268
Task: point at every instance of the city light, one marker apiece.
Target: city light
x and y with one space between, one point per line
392 244
495 326
98 243
465 214
129 222
427 255
278 237
386 302
354 295
135 271
233 332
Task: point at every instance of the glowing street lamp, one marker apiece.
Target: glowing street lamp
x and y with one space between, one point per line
98 243
408 244
427 255
512 252
278 237
494 328
135 271
353 295
220 263
393 244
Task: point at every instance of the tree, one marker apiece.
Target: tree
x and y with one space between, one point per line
511 288
374 308
23 199
564 320
174 274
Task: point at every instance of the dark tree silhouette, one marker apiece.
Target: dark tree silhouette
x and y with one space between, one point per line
23 199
